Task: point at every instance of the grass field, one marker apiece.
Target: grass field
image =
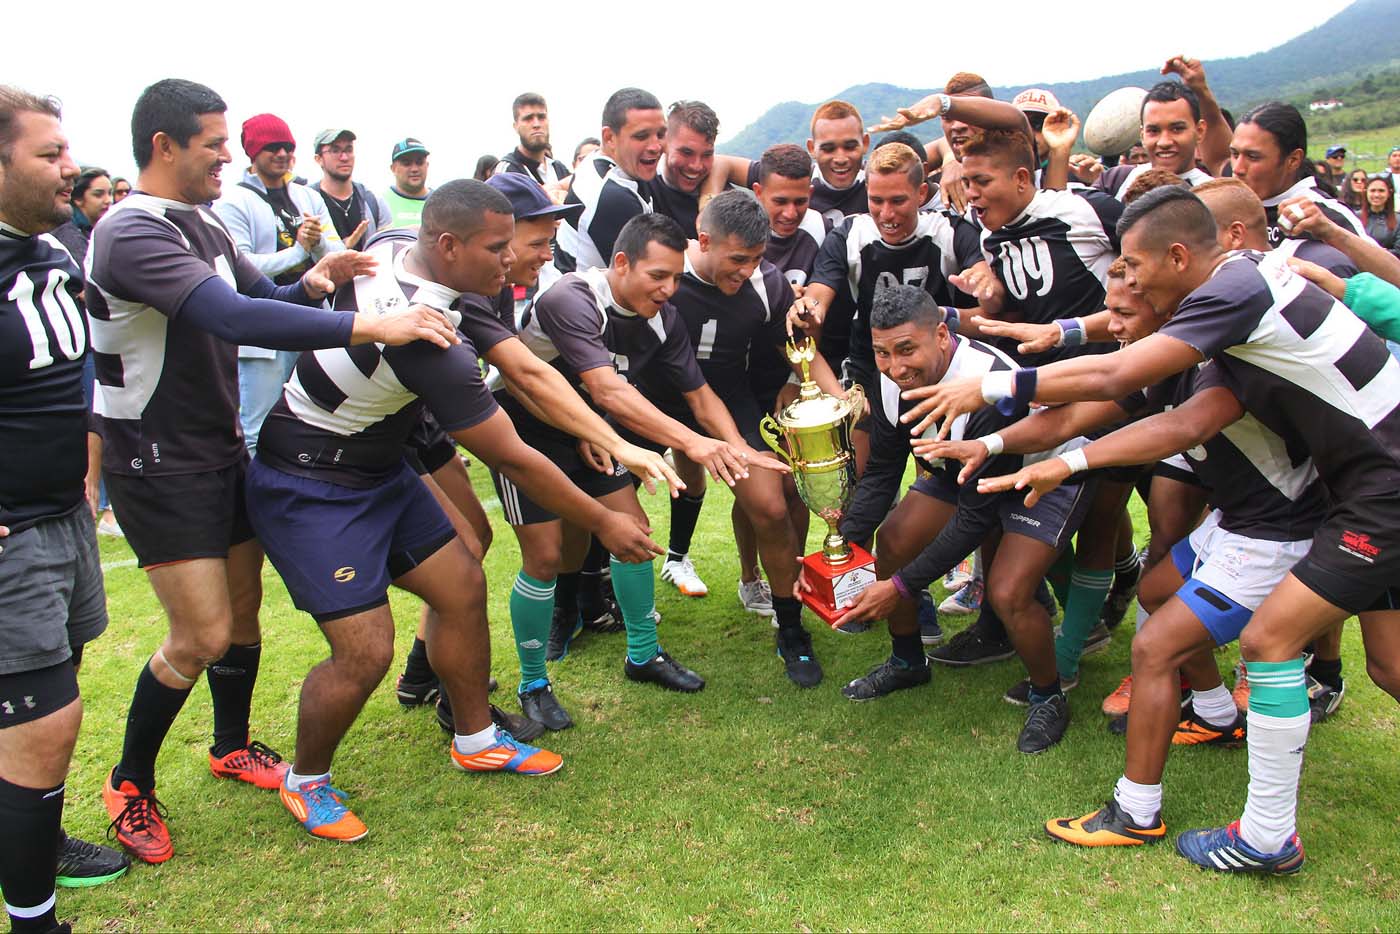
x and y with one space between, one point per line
1366 149
752 805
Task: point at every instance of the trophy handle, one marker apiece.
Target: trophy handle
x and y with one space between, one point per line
856 397
770 432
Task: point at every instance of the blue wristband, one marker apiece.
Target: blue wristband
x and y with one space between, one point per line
1071 333
950 317
1023 391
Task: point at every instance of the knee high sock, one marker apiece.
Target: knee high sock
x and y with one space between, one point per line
590 582
231 681
685 514
30 819
1083 606
566 593
154 708
635 586
1278 730
531 611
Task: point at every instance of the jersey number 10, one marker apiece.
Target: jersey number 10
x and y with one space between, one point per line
58 306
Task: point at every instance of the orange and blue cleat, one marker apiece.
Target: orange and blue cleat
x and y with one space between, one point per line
508 754
322 811
1194 731
1110 825
255 764
138 821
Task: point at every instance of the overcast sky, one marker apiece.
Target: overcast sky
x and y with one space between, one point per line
447 72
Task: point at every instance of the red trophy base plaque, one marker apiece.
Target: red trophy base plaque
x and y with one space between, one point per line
834 588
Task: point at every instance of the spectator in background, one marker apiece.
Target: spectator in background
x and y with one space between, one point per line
283 228
1336 162
532 155
120 189
409 163
1353 193
356 212
1378 211
585 149
1136 155
485 167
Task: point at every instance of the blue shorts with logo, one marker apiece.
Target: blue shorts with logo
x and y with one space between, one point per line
338 548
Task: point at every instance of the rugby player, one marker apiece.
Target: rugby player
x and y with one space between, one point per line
691 128
343 516
169 299
1307 367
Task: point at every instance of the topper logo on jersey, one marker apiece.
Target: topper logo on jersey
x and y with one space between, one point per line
1024 260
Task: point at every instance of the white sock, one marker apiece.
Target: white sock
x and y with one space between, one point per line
1142 802
1215 706
1275 765
1141 616
295 781
468 743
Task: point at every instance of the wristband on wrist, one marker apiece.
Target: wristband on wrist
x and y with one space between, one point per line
994 444
998 385
945 104
902 587
1075 460
951 317
1022 391
1071 333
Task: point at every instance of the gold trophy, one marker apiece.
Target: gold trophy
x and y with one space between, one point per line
813 434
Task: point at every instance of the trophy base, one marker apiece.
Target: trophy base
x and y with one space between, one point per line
833 589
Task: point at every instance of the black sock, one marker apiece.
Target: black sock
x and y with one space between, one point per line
1328 671
590 582
30 822
989 626
154 708
416 667
1040 693
789 612
231 681
566 595
685 513
909 649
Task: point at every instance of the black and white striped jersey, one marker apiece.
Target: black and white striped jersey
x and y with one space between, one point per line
1315 251
737 339
1053 260
43 415
855 261
346 412
1117 180
545 172
1334 210
166 397
837 204
796 256
610 198
1303 365
1265 486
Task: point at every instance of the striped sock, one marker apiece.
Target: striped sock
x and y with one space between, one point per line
1278 731
1083 606
635 587
531 612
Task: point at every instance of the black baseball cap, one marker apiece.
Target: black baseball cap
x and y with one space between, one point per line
527 198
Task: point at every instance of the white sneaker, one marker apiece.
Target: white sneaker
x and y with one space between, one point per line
757 597
682 574
959 576
108 526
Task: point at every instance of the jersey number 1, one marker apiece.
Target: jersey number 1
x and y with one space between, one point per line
62 312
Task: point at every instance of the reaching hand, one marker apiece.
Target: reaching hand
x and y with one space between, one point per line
971 454
1086 166
418 323
1192 72
806 315
650 467
951 184
1034 338
627 538
1041 478
1335 285
595 457
334 270
1061 129
942 402
978 280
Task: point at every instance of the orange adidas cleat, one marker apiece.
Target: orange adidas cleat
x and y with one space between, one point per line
322 811
508 754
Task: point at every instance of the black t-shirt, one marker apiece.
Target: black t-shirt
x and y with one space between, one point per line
43 416
795 256
837 204
544 172
346 215
682 208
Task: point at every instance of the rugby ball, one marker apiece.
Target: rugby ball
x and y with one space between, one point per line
1115 123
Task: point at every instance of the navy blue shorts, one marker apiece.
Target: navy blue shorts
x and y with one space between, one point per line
339 548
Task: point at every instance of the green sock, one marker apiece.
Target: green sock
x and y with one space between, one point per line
1083 606
531 611
635 587
1059 574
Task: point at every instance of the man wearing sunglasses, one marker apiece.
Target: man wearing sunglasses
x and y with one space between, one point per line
283 228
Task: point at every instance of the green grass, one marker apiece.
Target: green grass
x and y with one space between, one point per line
1366 149
753 805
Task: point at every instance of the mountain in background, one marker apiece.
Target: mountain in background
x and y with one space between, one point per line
1363 38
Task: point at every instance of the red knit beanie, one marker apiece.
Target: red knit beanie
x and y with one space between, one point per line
263 130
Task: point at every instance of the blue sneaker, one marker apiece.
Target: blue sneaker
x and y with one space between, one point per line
930 633
322 811
1224 850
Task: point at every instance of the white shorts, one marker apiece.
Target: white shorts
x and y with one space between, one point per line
1244 569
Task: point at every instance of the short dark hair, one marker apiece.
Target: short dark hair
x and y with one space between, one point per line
485 167
968 84
903 304
460 207
14 102
905 137
1178 216
118 180
615 110
528 99
644 229
1146 181
586 141
786 159
1010 146
88 175
1164 92
171 106
736 213
696 115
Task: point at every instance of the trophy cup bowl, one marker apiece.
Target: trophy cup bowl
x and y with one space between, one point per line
813 434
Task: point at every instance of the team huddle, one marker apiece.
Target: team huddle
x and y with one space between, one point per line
292 370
